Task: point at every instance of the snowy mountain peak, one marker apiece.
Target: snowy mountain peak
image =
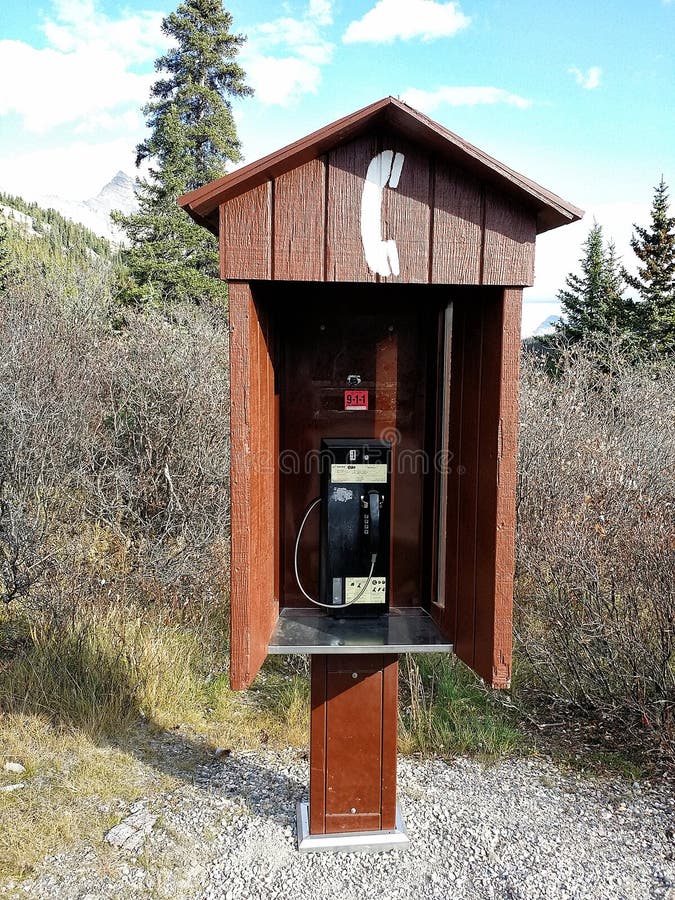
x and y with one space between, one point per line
547 326
119 193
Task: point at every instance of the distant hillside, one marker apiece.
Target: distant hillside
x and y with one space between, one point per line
46 235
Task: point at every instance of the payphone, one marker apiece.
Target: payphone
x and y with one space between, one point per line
355 526
384 245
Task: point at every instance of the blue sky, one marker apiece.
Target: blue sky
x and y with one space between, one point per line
578 96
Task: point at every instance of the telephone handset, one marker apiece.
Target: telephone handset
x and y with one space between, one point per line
381 255
371 519
355 526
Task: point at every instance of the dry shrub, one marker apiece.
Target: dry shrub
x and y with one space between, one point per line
595 603
114 453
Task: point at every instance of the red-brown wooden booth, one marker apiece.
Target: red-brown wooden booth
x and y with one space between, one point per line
436 342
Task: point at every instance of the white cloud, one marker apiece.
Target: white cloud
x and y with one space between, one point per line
65 88
428 101
84 76
279 81
589 79
283 58
301 36
321 11
136 37
76 170
406 19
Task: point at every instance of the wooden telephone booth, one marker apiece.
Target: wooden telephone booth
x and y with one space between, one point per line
381 257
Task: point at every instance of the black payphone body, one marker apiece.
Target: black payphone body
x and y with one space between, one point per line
355 525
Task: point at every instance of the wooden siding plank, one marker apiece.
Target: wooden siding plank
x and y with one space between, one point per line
347 168
246 237
240 484
458 227
508 252
467 478
494 641
221 241
552 210
488 463
254 606
406 212
299 223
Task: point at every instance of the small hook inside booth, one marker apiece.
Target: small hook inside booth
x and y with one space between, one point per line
375 271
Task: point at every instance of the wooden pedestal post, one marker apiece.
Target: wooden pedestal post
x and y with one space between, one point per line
352 784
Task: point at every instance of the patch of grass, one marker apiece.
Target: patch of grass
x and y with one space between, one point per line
281 699
274 712
100 670
601 762
90 706
75 789
445 710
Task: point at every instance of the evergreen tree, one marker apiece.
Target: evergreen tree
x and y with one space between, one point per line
621 309
655 280
193 137
593 302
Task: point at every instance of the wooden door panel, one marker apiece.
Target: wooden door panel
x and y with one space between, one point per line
254 604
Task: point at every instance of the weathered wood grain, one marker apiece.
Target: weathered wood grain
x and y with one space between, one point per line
480 525
551 211
347 168
494 641
448 227
488 471
254 531
508 242
406 212
467 480
353 743
246 235
299 223
458 227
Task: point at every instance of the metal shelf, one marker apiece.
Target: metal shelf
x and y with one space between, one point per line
409 630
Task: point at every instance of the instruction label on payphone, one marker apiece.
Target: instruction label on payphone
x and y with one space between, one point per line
354 473
355 524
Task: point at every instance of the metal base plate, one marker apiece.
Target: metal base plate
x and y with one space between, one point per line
350 841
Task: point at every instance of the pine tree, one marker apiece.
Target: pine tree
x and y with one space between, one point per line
655 280
193 138
593 302
621 309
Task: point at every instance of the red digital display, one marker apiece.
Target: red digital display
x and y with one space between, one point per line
356 399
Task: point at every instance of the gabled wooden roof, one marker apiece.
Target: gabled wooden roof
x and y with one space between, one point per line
551 211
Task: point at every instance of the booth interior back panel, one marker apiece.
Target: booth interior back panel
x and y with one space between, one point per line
327 337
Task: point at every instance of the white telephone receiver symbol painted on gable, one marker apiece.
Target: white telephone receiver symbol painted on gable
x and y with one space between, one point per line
381 255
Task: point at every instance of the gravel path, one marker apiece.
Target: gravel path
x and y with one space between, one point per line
520 829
